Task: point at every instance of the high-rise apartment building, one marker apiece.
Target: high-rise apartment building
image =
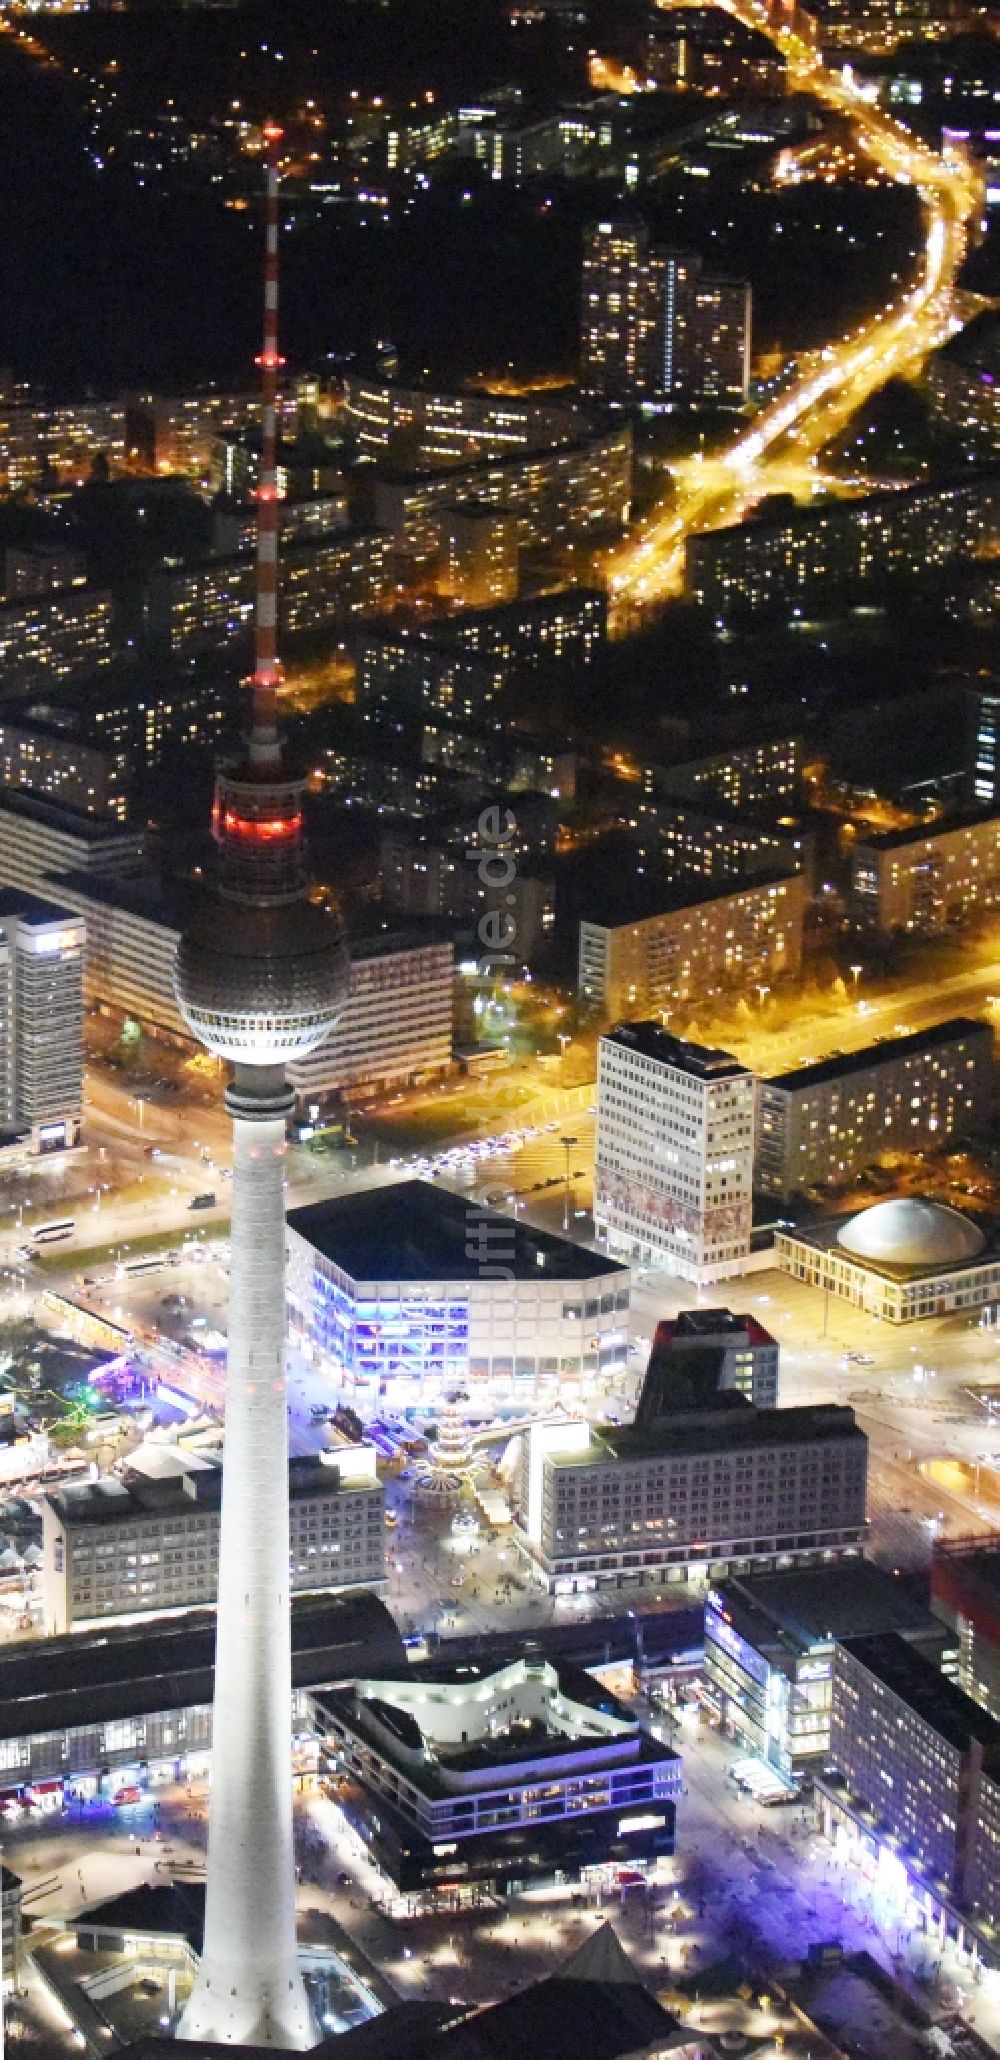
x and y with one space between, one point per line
617 311
653 949
41 1015
657 327
984 755
479 565
673 1172
397 1024
822 1123
924 879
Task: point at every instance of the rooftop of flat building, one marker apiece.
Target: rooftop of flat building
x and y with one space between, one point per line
887 1052
415 1230
916 1681
711 1324
514 1714
113 1501
731 1424
131 1670
896 840
634 899
651 1041
58 815
33 909
793 1612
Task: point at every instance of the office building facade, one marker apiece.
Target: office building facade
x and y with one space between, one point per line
517 1774
918 1777
673 1171
769 1647
139 1546
412 1284
746 1354
721 1490
823 1123
41 1009
965 1592
690 949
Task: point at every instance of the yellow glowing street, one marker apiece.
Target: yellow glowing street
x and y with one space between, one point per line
782 444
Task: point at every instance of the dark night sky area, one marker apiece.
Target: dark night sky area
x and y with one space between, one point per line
105 285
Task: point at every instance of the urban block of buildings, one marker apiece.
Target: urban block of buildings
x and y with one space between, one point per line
132 1702
820 1124
769 1644
916 1788
410 1283
721 1488
899 1260
656 327
828 556
149 1542
563 490
650 950
673 1153
522 1772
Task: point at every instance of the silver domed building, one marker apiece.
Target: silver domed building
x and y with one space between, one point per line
261 977
901 1259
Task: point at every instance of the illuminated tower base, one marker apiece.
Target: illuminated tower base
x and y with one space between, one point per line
248 1989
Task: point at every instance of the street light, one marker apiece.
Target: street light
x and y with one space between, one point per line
856 972
569 1145
564 1039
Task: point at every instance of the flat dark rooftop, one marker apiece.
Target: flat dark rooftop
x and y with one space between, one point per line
963 819
888 1053
730 1424
946 1708
113 1501
60 816
418 1231
130 1670
33 908
852 1600
651 1041
632 899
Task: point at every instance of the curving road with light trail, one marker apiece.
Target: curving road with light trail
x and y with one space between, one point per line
795 427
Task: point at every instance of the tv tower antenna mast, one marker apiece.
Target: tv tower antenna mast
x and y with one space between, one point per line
260 977
264 746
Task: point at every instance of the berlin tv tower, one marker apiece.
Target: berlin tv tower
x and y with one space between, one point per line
260 977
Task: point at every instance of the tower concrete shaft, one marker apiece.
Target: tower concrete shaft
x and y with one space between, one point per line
248 1989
